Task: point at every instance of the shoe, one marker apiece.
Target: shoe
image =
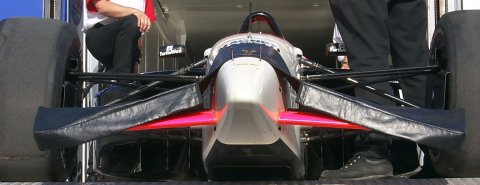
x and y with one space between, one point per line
361 168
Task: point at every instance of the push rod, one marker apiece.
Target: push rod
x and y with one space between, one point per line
369 82
155 83
129 76
360 74
353 81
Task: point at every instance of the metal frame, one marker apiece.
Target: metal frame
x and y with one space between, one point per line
327 74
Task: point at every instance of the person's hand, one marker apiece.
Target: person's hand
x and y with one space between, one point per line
143 22
344 63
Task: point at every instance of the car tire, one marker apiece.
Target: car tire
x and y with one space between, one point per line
455 48
33 57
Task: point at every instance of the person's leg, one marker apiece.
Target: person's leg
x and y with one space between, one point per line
373 145
407 27
126 45
100 42
370 161
362 26
115 44
363 29
364 32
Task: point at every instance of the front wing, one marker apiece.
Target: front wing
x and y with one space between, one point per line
64 127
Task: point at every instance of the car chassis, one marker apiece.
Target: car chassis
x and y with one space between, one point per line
176 125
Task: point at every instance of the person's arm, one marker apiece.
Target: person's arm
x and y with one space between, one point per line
337 38
116 11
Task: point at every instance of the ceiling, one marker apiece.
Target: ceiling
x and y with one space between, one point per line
307 24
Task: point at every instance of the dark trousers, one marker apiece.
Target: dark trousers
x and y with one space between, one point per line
115 45
374 29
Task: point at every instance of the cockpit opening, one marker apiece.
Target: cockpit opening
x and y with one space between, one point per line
261 22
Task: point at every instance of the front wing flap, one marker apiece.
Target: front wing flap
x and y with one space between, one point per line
63 127
442 129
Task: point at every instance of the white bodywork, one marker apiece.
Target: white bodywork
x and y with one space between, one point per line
247 97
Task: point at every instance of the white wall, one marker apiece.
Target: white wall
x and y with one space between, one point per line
471 4
431 19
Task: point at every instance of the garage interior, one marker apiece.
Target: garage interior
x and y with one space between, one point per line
307 24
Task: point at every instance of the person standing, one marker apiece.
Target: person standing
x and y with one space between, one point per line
373 30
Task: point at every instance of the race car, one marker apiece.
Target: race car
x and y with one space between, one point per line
253 108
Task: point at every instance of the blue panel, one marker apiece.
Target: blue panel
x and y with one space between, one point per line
21 8
64 11
75 11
